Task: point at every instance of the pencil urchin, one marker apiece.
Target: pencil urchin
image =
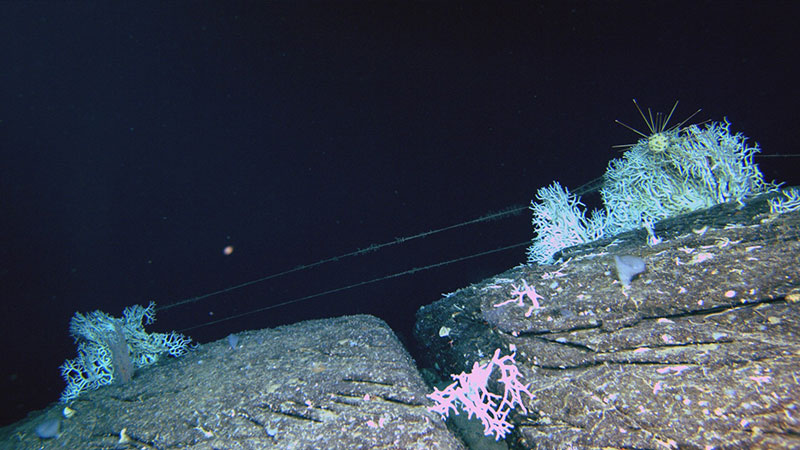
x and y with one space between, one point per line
660 137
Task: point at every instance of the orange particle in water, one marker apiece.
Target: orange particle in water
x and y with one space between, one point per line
227 250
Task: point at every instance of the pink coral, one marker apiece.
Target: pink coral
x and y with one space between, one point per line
518 297
471 392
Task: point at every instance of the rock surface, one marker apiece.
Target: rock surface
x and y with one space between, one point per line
342 383
702 350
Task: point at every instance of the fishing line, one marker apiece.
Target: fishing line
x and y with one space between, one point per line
507 212
359 284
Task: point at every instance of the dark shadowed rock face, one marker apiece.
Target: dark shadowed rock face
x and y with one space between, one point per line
702 349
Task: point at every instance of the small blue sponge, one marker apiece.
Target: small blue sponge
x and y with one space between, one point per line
628 267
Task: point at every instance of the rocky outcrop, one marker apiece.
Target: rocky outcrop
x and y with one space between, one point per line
702 350
341 383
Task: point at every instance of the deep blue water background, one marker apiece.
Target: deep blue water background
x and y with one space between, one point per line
138 140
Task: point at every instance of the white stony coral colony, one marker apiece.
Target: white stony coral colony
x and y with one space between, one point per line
560 222
98 336
665 174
